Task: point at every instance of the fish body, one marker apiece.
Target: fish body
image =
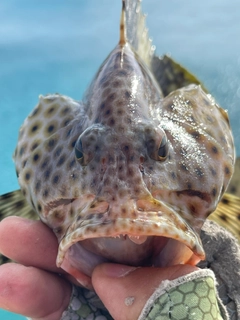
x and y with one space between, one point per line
128 175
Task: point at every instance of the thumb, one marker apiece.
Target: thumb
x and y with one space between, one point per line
124 290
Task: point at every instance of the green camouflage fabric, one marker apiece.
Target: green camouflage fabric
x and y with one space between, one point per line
194 298
190 297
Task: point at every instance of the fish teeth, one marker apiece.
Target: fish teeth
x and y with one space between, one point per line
137 239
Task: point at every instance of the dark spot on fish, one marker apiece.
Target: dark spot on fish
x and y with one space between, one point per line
91 207
116 84
50 110
45 163
71 163
45 193
56 179
37 186
39 207
22 150
108 112
214 192
127 94
227 170
28 176
214 149
209 119
61 160
24 164
36 157
123 211
183 167
65 111
68 133
58 151
189 186
47 173
119 112
111 122
35 128
199 172
195 135
35 112
66 122
122 73
173 175
50 128
34 145
24 192
51 143
213 171
102 106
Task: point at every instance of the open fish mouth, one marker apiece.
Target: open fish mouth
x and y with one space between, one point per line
157 238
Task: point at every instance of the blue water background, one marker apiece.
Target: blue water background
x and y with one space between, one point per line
57 46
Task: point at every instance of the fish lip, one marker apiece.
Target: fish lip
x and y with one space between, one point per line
162 228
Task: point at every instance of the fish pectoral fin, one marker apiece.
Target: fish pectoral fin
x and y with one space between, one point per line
170 75
15 204
227 214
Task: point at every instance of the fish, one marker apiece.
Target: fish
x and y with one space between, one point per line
130 173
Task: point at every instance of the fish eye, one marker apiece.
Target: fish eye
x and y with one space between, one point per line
79 151
163 149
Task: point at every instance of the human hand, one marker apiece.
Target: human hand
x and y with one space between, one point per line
36 288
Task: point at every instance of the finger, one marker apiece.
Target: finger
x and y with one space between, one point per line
33 292
29 242
129 288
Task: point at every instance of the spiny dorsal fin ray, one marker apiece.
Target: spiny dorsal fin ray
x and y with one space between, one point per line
227 214
123 39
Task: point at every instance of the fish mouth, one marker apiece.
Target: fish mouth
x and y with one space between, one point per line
147 233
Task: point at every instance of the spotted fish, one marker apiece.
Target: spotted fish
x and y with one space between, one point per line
130 173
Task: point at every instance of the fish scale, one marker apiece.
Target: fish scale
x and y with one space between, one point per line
130 174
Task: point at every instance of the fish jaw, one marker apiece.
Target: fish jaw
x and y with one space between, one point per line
137 232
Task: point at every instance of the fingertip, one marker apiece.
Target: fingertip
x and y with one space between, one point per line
33 292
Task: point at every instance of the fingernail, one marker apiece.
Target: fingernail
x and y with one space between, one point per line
117 270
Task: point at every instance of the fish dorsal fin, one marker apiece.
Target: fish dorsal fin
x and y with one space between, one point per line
169 74
227 214
136 31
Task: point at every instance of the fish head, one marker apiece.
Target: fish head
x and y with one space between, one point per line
126 176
